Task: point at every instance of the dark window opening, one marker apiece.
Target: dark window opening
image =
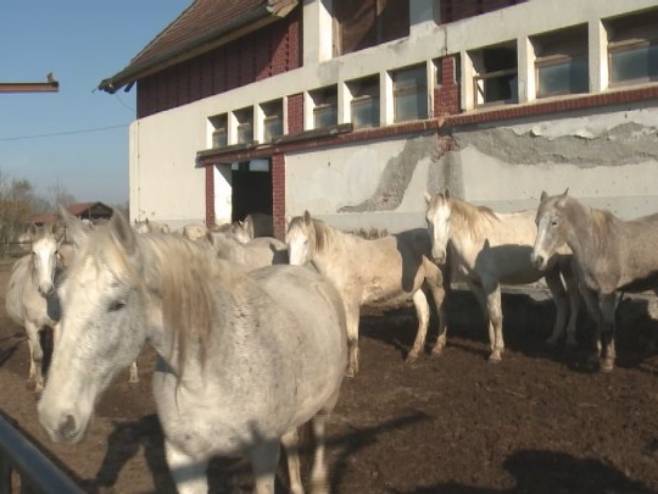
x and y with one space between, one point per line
561 65
251 190
272 120
245 129
366 23
365 102
497 75
633 49
410 93
325 107
219 135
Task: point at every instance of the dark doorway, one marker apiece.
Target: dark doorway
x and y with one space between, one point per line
252 188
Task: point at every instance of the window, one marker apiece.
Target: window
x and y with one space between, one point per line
365 102
497 75
219 135
325 112
561 62
633 49
410 93
272 120
365 23
245 129
438 73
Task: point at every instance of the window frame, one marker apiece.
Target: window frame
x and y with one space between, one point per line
493 75
615 47
406 90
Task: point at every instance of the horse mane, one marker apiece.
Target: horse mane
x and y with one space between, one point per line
471 215
323 233
181 272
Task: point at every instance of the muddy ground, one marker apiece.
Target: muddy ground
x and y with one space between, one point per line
538 422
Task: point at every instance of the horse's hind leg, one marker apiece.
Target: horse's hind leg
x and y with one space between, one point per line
495 313
608 306
319 482
189 473
556 287
290 442
134 373
573 292
423 313
438 286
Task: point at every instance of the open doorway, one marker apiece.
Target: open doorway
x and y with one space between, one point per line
251 188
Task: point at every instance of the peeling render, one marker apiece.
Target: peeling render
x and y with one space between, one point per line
397 174
627 143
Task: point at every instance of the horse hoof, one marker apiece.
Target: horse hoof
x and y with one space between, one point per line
351 373
607 365
411 358
551 343
495 358
436 351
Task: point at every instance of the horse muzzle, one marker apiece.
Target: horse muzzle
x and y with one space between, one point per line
439 257
46 289
538 261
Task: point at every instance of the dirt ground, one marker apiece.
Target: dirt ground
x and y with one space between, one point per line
536 423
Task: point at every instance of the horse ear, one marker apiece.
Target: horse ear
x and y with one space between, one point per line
428 198
122 232
566 191
446 194
307 217
73 226
543 196
32 230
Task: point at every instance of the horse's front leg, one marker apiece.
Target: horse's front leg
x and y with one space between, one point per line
556 287
36 356
189 473
423 313
264 462
608 306
573 292
290 442
495 314
352 313
592 303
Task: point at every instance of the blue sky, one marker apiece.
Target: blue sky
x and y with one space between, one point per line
81 42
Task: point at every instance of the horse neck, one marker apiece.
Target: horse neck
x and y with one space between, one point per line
583 230
464 227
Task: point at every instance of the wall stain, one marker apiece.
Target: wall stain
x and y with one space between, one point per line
624 144
399 169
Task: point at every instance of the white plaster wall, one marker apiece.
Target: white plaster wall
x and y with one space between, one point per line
166 186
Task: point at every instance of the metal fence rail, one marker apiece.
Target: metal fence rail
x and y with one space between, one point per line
38 474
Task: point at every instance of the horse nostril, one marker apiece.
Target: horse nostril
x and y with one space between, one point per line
67 428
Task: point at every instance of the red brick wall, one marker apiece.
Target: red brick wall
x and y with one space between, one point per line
295 113
278 195
454 10
210 196
446 96
271 50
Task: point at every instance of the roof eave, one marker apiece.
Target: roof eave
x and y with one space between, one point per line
240 26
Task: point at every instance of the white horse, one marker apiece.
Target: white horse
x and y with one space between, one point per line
31 300
195 231
148 226
489 248
258 253
244 359
392 268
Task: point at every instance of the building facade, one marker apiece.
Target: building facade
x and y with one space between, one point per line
353 110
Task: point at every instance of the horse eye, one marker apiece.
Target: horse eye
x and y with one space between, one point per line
554 223
116 305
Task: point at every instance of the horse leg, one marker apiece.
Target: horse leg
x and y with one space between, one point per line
438 286
554 282
423 313
319 484
264 461
495 314
608 306
134 373
573 292
290 442
592 303
36 356
189 473
352 321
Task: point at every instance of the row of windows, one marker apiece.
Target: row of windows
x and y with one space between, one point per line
561 60
560 67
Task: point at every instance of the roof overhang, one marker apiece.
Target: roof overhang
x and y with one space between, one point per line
236 28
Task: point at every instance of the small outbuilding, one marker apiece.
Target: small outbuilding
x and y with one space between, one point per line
94 212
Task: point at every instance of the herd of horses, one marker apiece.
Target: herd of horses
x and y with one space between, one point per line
254 335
